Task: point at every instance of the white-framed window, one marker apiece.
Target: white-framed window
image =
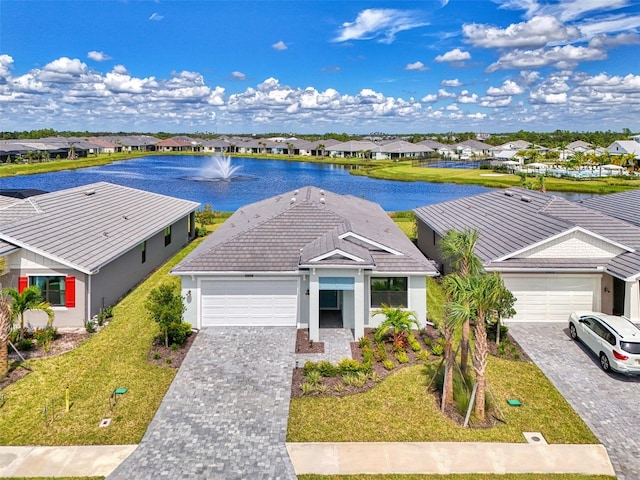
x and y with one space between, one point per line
391 291
52 287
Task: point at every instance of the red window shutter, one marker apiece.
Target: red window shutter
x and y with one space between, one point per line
23 282
70 292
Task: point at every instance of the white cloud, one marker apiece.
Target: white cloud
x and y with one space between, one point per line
6 63
542 97
417 66
279 45
98 56
238 76
537 32
429 98
508 87
467 97
558 57
451 83
455 55
442 93
379 23
495 102
156 17
563 9
64 65
477 116
123 83
120 69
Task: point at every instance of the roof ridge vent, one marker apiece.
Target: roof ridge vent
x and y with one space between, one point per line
508 193
89 192
292 201
322 200
525 198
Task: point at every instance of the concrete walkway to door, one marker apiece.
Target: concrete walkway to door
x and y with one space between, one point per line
225 414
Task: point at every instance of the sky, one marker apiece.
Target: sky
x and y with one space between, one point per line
318 66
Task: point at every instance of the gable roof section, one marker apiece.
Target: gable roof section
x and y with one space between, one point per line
305 227
515 220
87 227
622 206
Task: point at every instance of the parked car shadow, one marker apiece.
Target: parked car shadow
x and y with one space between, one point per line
596 362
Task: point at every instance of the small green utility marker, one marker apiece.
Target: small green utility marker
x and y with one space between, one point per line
120 391
514 403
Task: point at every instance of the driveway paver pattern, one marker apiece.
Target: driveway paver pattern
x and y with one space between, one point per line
225 414
606 402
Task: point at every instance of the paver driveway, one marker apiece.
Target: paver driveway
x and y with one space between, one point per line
225 414
608 403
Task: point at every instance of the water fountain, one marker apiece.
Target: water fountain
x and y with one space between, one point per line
219 169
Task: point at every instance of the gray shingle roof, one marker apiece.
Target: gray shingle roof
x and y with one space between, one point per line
621 205
275 234
511 220
87 227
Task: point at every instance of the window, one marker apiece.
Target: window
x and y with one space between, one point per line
143 247
391 291
53 289
167 235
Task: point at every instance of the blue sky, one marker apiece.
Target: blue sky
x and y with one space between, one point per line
320 66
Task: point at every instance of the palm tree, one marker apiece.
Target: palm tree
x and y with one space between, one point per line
320 148
29 299
397 319
5 329
459 248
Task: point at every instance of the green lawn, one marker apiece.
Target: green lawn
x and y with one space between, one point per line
399 409
405 172
115 357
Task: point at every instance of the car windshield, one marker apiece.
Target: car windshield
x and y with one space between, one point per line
630 347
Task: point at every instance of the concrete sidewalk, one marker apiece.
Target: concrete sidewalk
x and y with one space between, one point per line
340 458
97 460
447 458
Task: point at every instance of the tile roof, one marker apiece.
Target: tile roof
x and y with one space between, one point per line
87 227
515 219
281 233
619 205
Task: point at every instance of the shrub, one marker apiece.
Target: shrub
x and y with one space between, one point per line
367 355
327 369
366 367
438 347
388 364
339 387
402 357
374 377
423 355
381 352
415 346
164 304
309 366
398 344
156 356
348 365
25 344
108 312
356 379
90 326
307 388
178 332
44 337
313 377
322 389
364 342
493 329
174 347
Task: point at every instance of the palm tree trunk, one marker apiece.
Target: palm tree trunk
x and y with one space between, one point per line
464 347
4 358
447 388
480 353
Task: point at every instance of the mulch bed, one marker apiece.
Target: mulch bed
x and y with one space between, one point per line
304 345
168 357
512 351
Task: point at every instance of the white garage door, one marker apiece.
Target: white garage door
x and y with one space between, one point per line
551 298
262 302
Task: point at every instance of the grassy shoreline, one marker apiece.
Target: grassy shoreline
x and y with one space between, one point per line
377 169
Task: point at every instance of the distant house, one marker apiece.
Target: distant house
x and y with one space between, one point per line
86 247
303 259
625 147
174 145
471 149
556 256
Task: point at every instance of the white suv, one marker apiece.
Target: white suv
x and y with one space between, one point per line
615 340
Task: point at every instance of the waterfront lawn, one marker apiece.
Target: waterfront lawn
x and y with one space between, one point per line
400 409
116 357
405 172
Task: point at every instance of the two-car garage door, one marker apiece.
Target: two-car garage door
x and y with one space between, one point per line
262 302
552 297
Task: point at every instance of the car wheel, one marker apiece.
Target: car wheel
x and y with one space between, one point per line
573 332
604 363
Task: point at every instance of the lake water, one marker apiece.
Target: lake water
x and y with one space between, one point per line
174 175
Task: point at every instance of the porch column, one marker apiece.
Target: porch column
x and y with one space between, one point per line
314 307
632 300
360 312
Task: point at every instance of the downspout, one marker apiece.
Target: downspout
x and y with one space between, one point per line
87 307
